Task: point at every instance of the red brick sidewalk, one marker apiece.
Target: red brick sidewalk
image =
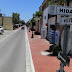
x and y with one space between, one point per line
44 63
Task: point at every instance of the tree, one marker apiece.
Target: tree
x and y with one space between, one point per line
38 16
33 21
63 1
22 22
15 18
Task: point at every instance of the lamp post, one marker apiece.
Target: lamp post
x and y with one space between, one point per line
32 32
32 28
29 25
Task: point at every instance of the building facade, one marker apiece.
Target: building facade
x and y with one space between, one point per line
6 22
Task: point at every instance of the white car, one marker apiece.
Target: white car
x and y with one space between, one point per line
1 30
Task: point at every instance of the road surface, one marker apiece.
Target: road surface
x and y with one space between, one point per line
13 53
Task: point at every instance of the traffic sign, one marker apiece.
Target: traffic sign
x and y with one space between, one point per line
59 10
66 20
67 43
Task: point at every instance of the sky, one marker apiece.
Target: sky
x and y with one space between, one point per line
26 8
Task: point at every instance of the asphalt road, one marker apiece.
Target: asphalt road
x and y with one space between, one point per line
13 53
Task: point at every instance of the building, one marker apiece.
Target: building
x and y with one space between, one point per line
6 22
39 23
52 21
45 4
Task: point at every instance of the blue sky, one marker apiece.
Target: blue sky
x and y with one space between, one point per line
25 8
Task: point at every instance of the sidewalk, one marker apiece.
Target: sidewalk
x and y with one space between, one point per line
44 61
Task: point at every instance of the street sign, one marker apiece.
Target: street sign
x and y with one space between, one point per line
68 43
66 20
59 10
65 60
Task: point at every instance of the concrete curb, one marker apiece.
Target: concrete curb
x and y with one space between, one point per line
29 61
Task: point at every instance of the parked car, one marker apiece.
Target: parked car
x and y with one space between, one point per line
22 27
1 30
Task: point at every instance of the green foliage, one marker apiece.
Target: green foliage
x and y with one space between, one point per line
33 21
22 22
32 29
63 1
56 49
49 3
28 23
15 18
56 3
37 33
38 14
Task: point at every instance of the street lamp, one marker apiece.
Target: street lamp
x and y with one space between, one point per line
29 25
32 27
32 31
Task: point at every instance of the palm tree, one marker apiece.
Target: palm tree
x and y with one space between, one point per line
38 16
63 1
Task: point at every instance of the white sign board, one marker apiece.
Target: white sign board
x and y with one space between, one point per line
59 10
67 21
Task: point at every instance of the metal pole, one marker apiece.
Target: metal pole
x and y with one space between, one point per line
32 31
62 67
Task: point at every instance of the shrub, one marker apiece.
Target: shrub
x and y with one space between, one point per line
37 33
56 50
32 29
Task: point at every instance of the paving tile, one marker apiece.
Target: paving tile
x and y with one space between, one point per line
44 63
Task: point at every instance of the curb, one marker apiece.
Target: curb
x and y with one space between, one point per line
29 61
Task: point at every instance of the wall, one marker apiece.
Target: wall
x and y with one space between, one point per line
70 4
7 23
0 21
45 17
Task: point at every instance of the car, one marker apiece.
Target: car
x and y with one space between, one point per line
22 27
1 30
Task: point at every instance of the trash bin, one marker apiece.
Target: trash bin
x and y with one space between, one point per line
43 33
